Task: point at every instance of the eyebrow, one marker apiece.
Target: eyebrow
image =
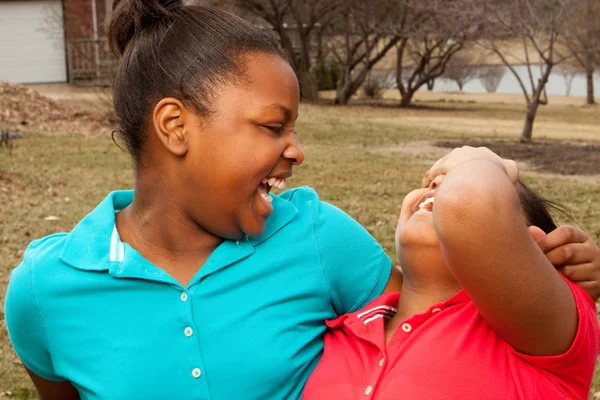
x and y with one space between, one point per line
287 112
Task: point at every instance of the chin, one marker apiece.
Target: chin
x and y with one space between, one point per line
417 230
254 230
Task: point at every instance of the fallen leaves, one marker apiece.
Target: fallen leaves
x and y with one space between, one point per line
22 108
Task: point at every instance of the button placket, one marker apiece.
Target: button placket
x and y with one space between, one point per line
406 327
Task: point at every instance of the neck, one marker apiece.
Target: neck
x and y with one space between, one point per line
416 298
155 223
419 293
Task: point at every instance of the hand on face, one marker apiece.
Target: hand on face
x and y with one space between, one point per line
574 254
466 153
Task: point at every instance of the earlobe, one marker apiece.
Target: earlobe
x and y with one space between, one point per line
168 120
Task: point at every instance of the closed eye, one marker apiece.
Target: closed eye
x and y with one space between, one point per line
275 129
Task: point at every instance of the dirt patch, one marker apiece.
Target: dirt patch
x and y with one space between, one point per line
543 156
425 152
24 109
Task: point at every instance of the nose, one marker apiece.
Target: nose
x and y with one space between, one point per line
436 182
294 151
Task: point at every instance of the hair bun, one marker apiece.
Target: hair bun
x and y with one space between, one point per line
130 17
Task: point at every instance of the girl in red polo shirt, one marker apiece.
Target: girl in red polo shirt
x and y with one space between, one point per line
483 313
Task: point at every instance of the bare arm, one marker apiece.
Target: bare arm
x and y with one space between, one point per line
50 390
490 251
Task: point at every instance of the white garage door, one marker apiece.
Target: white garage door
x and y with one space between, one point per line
32 43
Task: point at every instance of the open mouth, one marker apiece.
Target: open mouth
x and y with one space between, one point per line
267 184
425 203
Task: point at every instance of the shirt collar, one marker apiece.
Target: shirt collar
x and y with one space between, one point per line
385 305
88 246
94 243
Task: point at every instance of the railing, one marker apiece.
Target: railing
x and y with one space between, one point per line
90 60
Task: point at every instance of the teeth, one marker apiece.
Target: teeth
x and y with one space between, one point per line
427 201
275 182
268 198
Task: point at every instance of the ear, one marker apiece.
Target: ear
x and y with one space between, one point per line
169 121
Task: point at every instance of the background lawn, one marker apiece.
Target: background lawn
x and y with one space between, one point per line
363 158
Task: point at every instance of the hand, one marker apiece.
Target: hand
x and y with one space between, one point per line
574 254
466 153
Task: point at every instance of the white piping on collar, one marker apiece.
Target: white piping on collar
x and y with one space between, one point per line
117 251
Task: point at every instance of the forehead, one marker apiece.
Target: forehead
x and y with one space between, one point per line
269 80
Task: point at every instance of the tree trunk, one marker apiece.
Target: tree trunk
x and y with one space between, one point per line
343 93
529 119
590 86
406 100
309 89
430 84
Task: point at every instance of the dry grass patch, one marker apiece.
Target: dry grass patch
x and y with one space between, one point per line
356 158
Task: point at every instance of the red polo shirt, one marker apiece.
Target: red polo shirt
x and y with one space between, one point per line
448 352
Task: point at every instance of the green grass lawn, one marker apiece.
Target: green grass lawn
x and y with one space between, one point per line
352 160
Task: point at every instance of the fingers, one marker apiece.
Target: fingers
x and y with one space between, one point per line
572 254
434 171
466 153
512 170
562 235
536 233
580 273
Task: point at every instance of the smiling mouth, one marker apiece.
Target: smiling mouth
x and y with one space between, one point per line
267 184
427 204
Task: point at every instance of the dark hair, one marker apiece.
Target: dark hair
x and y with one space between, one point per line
539 210
169 49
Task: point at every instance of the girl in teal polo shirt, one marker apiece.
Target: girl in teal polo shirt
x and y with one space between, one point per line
200 284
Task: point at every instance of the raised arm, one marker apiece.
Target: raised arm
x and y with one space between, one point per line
488 248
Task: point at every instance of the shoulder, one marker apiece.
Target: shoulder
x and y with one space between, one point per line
301 197
49 246
40 255
306 200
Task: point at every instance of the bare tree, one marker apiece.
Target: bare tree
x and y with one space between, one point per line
376 82
568 72
537 26
582 37
461 69
439 30
300 25
491 76
361 34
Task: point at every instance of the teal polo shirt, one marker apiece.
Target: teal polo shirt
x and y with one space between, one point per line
87 308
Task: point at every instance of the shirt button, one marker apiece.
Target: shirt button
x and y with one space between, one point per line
406 327
436 310
183 296
188 331
369 390
381 362
196 373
